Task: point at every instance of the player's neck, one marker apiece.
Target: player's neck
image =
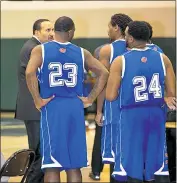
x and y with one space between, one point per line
61 39
140 45
119 37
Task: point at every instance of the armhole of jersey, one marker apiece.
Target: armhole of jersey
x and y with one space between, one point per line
123 66
163 65
112 53
42 46
83 60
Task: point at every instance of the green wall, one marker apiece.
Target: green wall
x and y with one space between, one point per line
10 49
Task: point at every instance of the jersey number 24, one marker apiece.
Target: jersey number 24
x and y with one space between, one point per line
55 76
154 88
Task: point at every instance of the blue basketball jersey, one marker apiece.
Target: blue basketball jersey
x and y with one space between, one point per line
118 48
154 47
62 70
111 109
143 76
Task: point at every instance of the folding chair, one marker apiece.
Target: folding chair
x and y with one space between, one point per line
18 164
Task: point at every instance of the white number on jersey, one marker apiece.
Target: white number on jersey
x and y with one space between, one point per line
54 76
154 87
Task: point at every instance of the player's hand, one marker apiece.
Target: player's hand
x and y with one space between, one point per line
171 102
86 101
99 119
42 102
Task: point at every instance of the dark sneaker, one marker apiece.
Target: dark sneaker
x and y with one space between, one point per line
94 176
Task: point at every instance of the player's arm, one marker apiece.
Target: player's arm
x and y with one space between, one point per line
114 80
96 53
104 58
32 82
101 75
170 83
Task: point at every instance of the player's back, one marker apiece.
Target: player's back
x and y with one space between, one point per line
142 115
154 47
62 71
143 78
62 74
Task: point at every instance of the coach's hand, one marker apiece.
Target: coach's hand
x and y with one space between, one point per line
86 101
42 102
99 119
171 102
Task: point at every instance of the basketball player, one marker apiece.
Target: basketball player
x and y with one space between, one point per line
96 162
149 42
140 77
61 63
108 53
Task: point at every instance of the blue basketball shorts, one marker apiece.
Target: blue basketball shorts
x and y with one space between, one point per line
63 135
141 144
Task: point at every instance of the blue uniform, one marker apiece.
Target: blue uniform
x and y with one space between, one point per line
63 138
154 47
111 112
141 136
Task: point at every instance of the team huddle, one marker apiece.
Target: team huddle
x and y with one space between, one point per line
135 82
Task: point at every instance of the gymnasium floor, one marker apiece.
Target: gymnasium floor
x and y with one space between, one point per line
13 138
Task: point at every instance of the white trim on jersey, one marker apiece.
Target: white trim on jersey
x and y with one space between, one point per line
83 60
42 138
108 160
122 171
163 65
149 44
112 53
140 49
55 162
104 145
52 165
160 171
119 40
43 55
123 66
61 43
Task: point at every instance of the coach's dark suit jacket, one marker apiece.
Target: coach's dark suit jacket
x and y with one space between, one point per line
25 108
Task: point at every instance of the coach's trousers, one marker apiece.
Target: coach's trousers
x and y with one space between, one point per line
96 164
171 149
33 131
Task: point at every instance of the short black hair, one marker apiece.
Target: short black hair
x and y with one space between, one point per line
37 24
121 20
150 29
64 24
139 30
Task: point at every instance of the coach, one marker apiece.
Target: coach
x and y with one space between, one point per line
25 108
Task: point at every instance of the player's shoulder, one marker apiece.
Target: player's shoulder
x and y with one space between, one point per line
119 42
106 48
99 48
48 44
76 47
128 52
97 51
155 47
